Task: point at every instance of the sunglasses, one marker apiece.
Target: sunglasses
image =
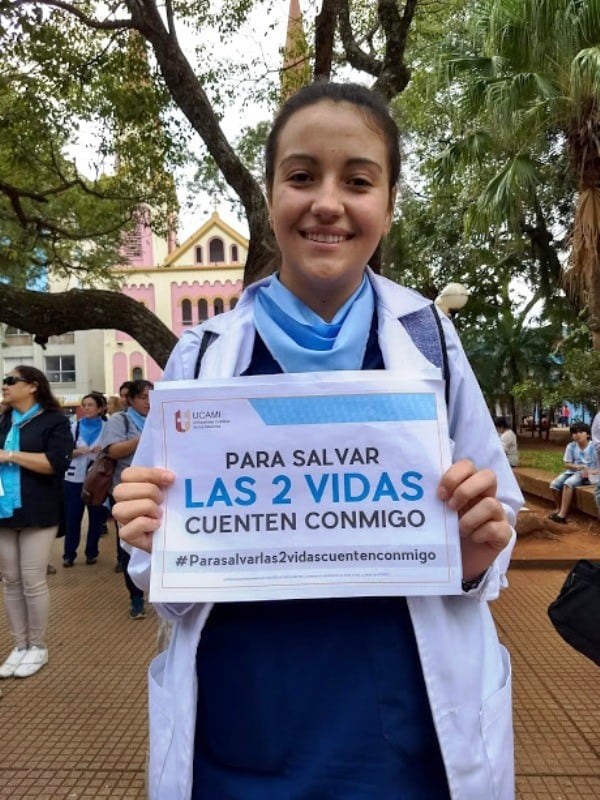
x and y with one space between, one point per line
10 380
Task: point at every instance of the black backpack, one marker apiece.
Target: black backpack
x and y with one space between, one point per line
576 611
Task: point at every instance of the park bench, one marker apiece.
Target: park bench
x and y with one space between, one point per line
535 427
537 482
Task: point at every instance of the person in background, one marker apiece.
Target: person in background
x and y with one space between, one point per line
36 450
124 393
509 441
361 697
595 432
580 459
113 405
101 400
124 405
87 432
120 438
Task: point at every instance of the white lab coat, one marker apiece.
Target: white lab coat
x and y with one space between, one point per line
467 671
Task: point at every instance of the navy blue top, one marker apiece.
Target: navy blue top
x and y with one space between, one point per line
313 699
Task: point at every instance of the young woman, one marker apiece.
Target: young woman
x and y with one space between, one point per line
36 449
354 698
87 432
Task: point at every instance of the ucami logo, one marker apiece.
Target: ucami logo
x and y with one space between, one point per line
183 421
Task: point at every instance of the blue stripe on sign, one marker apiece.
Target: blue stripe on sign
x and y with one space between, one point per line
345 408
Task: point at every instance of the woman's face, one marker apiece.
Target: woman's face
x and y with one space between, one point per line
330 202
89 407
113 405
141 402
18 393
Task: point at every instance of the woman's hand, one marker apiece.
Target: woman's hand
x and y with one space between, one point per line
482 524
138 507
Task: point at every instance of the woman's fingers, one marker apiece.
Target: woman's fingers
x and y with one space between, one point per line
138 533
462 485
139 497
156 475
138 491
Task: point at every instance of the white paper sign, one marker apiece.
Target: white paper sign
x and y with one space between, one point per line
299 486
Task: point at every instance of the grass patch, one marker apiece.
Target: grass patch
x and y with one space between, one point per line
542 459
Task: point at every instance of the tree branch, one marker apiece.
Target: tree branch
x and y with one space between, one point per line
90 22
45 315
357 57
394 75
324 36
191 98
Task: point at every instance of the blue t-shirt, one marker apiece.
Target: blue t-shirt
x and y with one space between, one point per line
314 699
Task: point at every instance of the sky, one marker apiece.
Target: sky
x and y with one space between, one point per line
260 41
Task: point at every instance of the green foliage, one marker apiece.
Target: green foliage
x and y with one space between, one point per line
581 377
59 80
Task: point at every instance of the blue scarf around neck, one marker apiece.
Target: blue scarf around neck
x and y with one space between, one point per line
90 429
301 341
10 474
138 420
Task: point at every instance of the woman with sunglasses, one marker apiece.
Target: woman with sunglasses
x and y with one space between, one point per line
36 446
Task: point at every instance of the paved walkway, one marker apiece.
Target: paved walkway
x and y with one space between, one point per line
78 728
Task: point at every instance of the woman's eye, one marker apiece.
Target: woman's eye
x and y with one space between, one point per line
300 177
360 182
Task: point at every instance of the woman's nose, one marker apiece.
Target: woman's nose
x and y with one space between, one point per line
327 201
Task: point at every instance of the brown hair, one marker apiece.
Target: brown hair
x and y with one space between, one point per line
43 395
375 113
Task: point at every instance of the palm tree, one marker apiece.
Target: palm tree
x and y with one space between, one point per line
508 348
531 94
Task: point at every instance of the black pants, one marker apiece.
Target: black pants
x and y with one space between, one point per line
123 559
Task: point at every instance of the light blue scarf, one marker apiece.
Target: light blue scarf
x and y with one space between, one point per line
138 419
90 429
300 341
10 474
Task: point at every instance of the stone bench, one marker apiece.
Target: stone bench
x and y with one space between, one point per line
537 482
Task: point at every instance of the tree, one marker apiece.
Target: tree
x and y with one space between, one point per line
529 89
76 52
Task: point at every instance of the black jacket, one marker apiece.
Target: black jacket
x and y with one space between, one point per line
41 495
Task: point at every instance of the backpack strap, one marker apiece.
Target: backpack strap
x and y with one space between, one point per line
207 339
428 335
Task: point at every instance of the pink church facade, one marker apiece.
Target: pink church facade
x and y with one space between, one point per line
193 282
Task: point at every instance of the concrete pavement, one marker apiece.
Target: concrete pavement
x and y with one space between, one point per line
77 729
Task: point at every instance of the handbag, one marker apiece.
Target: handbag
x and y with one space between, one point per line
576 611
98 480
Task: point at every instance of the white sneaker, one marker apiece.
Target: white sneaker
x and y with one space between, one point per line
34 660
7 670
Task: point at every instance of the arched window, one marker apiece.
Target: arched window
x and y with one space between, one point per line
218 306
233 303
202 310
198 255
216 251
137 374
234 254
186 312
